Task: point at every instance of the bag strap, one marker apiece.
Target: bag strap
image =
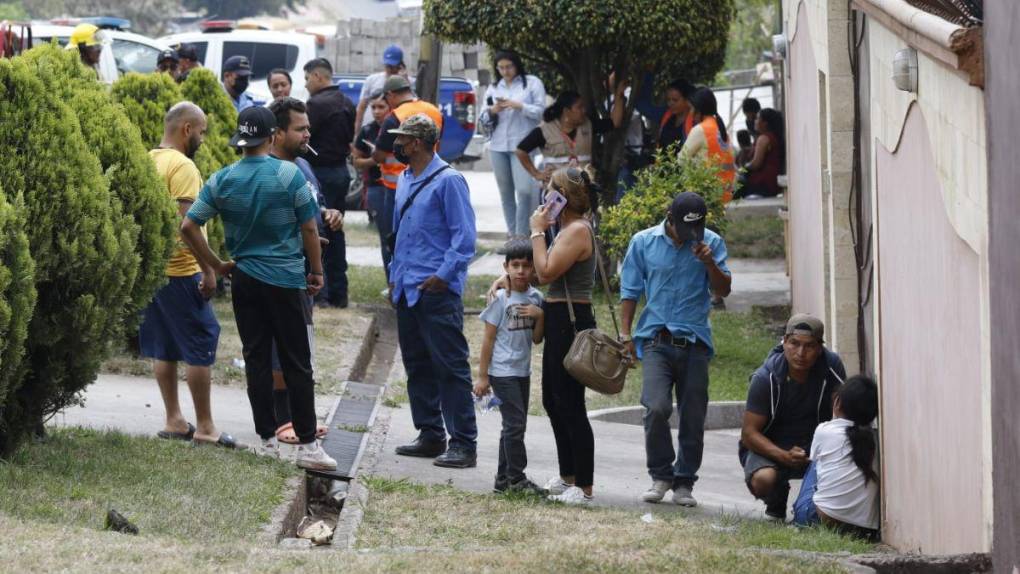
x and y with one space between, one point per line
597 254
421 186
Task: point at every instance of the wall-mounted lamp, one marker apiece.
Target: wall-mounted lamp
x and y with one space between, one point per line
904 67
779 45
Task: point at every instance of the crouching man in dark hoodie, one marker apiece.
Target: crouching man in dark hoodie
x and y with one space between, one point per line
789 395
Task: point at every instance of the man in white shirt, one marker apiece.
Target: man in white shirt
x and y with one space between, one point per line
393 63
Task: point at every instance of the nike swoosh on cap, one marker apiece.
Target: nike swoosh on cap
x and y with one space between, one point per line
691 217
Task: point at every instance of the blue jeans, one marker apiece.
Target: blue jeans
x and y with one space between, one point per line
624 181
517 190
804 511
380 202
666 370
435 355
335 182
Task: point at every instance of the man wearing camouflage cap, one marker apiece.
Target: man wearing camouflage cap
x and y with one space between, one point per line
790 395
434 239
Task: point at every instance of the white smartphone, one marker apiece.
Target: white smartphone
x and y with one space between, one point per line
556 203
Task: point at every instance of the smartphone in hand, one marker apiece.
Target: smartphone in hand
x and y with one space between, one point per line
556 203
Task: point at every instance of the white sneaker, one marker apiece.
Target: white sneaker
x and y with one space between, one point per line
682 496
556 485
657 491
314 457
573 496
268 447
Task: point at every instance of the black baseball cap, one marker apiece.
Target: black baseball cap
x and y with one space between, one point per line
238 64
187 52
168 54
254 126
688 212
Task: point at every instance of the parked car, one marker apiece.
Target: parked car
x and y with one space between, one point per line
456 102
265 49
126 52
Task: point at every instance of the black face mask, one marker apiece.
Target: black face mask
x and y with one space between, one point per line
240 84
399 155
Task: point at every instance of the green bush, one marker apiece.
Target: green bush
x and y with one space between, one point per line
146 99
132 176
17 294
80 241
646 203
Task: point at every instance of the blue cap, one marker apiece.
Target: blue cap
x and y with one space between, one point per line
392 55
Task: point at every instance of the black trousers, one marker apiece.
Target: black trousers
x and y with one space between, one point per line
266 313
563 396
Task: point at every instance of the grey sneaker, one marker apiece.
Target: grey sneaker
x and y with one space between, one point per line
657 491
682 496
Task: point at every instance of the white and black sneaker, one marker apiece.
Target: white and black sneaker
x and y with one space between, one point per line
573 496
556 485
314 457
268 447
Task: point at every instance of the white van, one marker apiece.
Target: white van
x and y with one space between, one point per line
125 53
265 49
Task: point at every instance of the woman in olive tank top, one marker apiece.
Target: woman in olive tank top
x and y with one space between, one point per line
567 267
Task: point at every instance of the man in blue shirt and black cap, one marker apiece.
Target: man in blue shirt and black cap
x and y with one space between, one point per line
676 266
236 73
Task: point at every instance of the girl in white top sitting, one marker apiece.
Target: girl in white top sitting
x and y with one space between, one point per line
840 487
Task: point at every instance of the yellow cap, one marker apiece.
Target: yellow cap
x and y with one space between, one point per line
87 34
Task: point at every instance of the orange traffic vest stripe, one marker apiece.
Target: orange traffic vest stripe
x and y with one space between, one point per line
720 152
688 121
391 168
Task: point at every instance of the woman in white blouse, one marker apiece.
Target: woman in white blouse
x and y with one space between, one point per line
513 107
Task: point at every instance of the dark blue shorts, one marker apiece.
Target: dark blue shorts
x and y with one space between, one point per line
179 324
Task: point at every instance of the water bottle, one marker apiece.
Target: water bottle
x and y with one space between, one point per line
487 403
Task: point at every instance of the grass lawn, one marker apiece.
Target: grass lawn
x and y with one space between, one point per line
169 489
487 532
756 237
203 509
338 335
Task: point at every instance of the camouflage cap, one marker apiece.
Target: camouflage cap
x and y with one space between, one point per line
804 324
418 126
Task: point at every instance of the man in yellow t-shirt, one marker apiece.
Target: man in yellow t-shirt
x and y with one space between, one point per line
179 323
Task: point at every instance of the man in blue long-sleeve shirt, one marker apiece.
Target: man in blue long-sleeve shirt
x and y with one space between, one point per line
676 266
435 239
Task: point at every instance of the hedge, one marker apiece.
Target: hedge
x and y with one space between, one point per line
646 203
80 241
17 294
124 158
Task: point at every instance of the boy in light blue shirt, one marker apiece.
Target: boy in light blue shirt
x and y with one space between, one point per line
513 321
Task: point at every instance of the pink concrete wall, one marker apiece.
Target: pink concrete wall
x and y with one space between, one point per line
807 267
930 372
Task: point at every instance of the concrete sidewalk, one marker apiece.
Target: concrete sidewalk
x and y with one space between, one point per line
620 473
133 405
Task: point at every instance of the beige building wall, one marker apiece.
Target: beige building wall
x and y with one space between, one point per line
931 341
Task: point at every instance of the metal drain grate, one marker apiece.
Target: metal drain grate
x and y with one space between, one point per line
349 424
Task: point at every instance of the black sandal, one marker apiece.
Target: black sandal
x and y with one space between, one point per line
225 441
185 436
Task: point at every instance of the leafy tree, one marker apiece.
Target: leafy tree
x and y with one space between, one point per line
79 239
148 17
234 9
750 33
646 203
131 174
12 11
585 41
17 294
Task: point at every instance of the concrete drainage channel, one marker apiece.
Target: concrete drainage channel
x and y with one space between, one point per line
313 514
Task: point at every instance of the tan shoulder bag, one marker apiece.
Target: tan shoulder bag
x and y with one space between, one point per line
596 359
